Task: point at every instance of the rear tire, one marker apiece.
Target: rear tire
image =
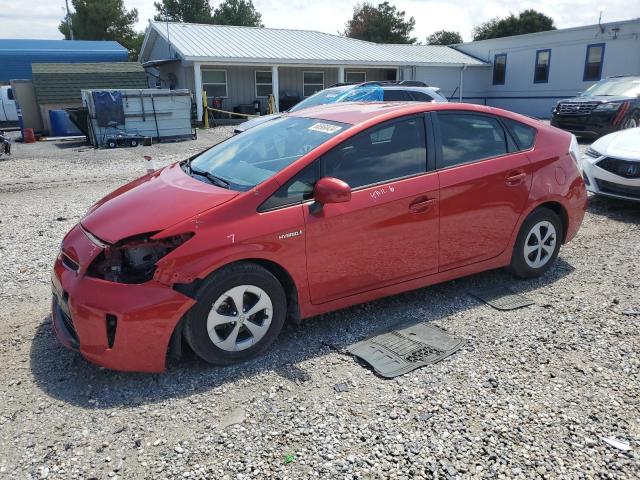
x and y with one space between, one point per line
538 244
220 330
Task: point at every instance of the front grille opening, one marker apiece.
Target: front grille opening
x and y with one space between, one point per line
617 189
111 322
576 108
66 319
622 168
70 264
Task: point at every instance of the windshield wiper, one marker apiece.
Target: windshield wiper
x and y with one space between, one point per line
217 181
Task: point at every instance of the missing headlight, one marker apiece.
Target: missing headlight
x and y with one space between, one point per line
134 259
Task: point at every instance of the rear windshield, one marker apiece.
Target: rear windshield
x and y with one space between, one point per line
244 161
614 87
323 97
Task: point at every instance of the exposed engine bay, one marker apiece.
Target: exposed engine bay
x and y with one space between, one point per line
133 260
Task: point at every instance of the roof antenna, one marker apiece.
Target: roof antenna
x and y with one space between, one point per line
601 10
166 20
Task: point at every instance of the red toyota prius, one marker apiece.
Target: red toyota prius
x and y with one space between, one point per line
312 212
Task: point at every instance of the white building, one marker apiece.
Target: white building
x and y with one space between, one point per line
532 72
525 73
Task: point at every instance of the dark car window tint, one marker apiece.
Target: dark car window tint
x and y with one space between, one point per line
467 138
10 93
380 154
421 96
299 188
525 134
396 96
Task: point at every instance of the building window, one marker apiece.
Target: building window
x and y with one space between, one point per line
355 77
214 82
312 82
499 68
264 83
593 62
543 62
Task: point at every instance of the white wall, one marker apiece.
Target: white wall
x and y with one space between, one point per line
568 53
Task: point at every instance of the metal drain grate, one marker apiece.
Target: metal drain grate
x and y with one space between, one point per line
502 298
401 351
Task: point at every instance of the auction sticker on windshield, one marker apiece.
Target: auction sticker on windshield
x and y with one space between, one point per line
324 128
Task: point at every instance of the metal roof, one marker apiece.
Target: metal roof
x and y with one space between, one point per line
27 45
269 45
431 54
76 68
17 56
61 83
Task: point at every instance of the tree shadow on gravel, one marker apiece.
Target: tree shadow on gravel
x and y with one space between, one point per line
619 210
66 376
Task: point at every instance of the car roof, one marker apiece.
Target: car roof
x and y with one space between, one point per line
393 86
355 113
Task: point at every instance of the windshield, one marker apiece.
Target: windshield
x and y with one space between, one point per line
323 97
244 161
614 87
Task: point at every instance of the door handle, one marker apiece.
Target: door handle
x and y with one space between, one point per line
515 178
422 204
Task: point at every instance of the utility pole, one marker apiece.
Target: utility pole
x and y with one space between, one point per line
69 20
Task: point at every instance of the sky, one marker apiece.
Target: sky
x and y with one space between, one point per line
40 18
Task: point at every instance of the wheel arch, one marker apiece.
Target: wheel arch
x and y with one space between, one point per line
283 276
561 211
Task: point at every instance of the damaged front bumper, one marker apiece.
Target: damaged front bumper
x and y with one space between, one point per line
119 326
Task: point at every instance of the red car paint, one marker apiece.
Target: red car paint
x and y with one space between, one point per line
386 239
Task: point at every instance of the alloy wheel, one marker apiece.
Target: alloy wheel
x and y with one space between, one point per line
239 318
540 244
630 123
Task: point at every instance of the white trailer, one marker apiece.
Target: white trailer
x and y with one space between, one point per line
160 114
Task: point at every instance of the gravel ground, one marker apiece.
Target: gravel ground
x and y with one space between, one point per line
531 395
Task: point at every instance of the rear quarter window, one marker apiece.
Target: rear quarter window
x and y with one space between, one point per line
524 134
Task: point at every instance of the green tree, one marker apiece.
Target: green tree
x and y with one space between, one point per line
192 11
237 12
528 21
444 37
381 24
135 45
102 20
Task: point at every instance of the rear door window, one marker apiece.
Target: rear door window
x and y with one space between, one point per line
420 96
468 138
524 134
396 96
393 150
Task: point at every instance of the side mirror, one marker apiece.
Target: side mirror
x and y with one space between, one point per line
330 190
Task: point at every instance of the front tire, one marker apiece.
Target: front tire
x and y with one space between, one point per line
240 311
538 244
632 121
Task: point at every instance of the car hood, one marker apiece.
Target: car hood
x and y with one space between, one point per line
151 204
596 98
624 144
254 122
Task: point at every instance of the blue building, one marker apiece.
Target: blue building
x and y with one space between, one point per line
16 56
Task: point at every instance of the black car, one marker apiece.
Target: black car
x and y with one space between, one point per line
609 105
